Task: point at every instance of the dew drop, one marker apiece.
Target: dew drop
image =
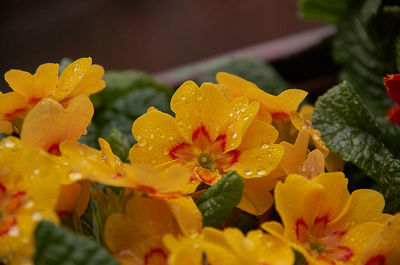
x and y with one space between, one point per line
74 175
150 147
36 171
9 144
234 135
231 114
138 137
142 143
162 136
29 204
246 118
248 172
183 97
230 125
151 136
37 216
265 146
261 171
14 231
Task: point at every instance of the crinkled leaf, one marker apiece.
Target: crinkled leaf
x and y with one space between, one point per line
58 246
219 200
323 10
350 130
119 143
252 69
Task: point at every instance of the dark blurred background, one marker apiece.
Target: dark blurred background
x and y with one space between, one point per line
149 35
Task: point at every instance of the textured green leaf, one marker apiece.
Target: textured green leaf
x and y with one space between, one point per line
252 69
58 246
219 200
119 143
324 10
350 130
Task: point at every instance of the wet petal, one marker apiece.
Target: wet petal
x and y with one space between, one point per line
259 162
157 134
256 198
313 165
195 107
258 134
186 214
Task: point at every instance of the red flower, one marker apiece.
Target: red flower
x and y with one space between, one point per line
392 84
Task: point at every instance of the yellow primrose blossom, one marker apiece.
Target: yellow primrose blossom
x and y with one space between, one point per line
78 78
322 220
270 106
228 247
209 135
29 188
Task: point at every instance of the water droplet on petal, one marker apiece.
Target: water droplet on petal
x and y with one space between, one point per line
9 144
183 97
150 147
248 172
265 146
138 137
29 204
234 135
36 171
261 171
151 135
231 114
74 175
162 136
14 231
143 142
37 216
246 118
230 125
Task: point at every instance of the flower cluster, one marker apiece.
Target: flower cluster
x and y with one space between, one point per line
231 125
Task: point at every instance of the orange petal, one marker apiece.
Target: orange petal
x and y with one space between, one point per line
240 117
285 102
90 83
72 76
297 199
195 107
259 162
256 198
314 165
335 195
186 214
48 123
156 133
12 105
334 163
385 245
362 206
68 198
20 81
6 127
258 134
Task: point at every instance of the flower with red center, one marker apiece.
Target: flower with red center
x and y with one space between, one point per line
79 78
392 84
209 134
29 188
322 220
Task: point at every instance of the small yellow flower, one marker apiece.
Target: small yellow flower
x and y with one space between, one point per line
209 135
321 219
29 188
79 78
228 247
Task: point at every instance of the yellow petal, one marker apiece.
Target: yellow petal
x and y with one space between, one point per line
297 199
90 83
20 81
186 214
273 227
358 237
156 134
335 195
259 162
68 198
48 123
240 117
258 134
117 233
71 76
12 105
334 163
362 206
385 245
256 198
195 107
44 81
285 102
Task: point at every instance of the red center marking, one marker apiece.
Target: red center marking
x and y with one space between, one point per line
377 260
301 230
54 149
156 256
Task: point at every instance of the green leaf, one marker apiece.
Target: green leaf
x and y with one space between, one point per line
252 69
350 130
324 10
58 246
119 143
219 200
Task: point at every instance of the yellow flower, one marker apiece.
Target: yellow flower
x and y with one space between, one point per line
209 135
271 106
136 236
321 219
229 247
79 78
29 188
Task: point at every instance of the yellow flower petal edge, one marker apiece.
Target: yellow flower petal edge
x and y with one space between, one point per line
230 246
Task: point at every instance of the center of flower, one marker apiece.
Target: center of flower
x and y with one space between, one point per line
206 162
317 247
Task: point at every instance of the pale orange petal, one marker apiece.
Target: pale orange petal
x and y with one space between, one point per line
48 123
186 214
258 134
90 83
